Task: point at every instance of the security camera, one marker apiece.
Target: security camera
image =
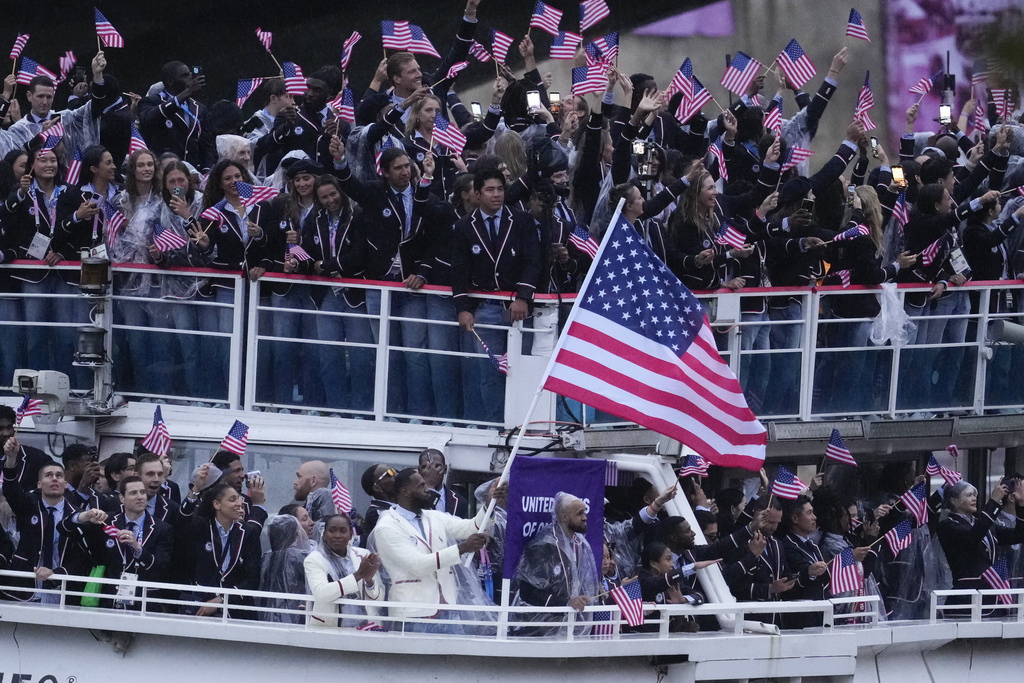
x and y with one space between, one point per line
49 385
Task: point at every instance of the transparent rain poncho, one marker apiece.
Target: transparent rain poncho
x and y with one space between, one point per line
907 581
361 153
131 244
555 567
285 547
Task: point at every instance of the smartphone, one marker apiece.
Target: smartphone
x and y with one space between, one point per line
533 101
476 109
874 147
945 114
639 147
897 176
851 192
807 205
79 76
178 192
197 71
555 100
737 108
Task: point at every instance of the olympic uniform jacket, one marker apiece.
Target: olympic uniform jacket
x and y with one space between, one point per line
326 588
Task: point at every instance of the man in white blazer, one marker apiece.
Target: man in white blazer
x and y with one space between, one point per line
419 546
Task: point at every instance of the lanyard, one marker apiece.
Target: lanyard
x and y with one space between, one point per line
51 205
332 228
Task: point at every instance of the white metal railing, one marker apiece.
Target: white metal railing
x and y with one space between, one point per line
812 379
976 605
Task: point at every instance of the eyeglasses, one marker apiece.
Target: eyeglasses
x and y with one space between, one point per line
387 473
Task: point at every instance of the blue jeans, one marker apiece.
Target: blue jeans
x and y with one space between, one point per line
184 316
443 369
219 319
409 389
12 349
847 377
49 348
483 387
147 353
931 375
292 362
755 367
785 367
347 386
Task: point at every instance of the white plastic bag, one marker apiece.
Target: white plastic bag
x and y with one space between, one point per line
892 324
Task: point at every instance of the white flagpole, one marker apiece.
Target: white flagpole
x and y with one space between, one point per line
486 522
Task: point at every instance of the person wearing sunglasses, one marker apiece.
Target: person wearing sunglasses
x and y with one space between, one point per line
378 483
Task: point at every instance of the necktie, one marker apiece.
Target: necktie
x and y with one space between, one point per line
419 523
400 204
492 229
130 526
48 533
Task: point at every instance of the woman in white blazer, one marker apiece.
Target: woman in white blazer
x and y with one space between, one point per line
339 569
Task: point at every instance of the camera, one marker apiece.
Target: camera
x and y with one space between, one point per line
49 385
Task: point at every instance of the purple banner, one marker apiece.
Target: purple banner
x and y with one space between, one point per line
532 486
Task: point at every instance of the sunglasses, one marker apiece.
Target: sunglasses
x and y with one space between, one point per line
387 473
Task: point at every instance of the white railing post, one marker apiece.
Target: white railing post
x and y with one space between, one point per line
981 341
251 345
235 352
380 396
810 334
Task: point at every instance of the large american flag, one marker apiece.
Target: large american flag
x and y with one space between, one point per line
245 90
855 26
294 81
591 12
158 440
29 406
915 500
682 81
236 438
136 143
106 31
581 239
448 134
740 73
19 45
899 537
700 97
837 450
30 69
638 345
795 155
265 38
629 599
166 239
340 495
346 49
924 86
564 45
588 79
787 485
795 63
546 18
845 573
252 195
933 468
500 43
865 101
996 576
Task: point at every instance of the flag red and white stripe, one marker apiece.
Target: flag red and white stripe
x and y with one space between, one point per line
564 45
158 440
265 38
933 468
29 407
546 18
787 485
346 49
236 439
996 577
730 236
846 575
930 252
165 239
795 63
340 495
628 598
581 239
899 537
855 26
107 33
794 156
773 118
479 52
588 79
915 500
500 43
591 12
837 450
448 134
19 45
740 73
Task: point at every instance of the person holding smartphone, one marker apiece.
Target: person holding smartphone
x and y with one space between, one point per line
172 120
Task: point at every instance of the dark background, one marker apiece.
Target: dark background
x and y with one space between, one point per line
219 35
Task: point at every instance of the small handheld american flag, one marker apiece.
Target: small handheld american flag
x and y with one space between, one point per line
30 69
925 85
899 537
346 49
480 52
845 276
344 105
252 195
111 530
588 79
296 252
67 63
700 97
930 252
564 45
214 213
717 153
265 38
29 406
136 143
236 438
456 68
900 211
158 440
996 576
500 43
773 118
730 236
629 599
74 168
546 18
852 233
245 90
740 73
795 155
694 465
500 363
949 475
609 46
106 31
682 81
340 495
294 81
837 450
166 239
865 101
581 239
915 502
115 221
787 485
448 134
591 12
795 64
19 45
845 573
855 26
419 43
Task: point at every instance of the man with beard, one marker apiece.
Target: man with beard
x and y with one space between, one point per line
312 489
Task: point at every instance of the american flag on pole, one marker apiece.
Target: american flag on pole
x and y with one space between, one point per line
236 438
111 530
296 252
700 97
588 79
448 134
652 359
787 485
30 69
340 495
1004 105
795 64
795 155
900 210
925 85
852 234
930 252
346 49
564 45
106 31
29 406
245 90
980 118
844 276
997 576
694 465
387 144
19 45
67 63
865 101
214 213
933 468
718 154
252 195
773 118
629 599
546 18
581 239
837 450
591 12
419 43
136 143
455 69
915 500
344 105
166 239
395 34
608 45
480 52
294 81
730 236
265 38
500 363
683 80
500 43
846 576
593 54
158 440
740 73
51 137
74 168
855 26
981 73
899 537
115 221
603 625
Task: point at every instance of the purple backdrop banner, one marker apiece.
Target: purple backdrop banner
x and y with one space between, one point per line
532 486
